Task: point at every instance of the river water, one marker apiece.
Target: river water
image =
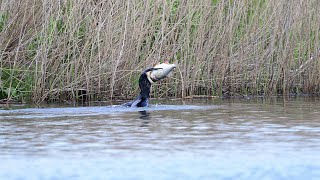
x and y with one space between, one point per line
260 138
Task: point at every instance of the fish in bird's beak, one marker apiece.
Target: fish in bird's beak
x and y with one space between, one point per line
161 71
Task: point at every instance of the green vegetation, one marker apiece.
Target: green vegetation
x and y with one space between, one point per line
64 49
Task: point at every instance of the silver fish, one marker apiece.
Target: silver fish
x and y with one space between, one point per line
161 71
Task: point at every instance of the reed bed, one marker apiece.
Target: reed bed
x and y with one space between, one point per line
92 49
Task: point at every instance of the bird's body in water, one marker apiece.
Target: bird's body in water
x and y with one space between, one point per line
143 98
146 79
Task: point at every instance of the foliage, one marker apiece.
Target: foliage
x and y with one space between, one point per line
52 50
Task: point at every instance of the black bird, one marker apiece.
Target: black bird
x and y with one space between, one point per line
148 77
142 99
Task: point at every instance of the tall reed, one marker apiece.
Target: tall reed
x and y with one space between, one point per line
52 48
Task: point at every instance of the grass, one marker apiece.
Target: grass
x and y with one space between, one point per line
55 50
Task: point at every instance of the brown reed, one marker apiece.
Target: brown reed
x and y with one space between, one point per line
52 48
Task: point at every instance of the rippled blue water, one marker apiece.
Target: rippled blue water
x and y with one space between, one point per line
221 139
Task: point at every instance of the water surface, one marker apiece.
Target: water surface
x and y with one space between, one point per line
272 138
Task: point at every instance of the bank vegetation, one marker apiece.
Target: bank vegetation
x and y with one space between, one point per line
94 49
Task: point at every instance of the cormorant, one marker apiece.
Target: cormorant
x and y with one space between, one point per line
148 77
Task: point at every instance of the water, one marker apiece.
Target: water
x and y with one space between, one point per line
272 138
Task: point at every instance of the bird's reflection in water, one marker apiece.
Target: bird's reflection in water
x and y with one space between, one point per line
145 116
